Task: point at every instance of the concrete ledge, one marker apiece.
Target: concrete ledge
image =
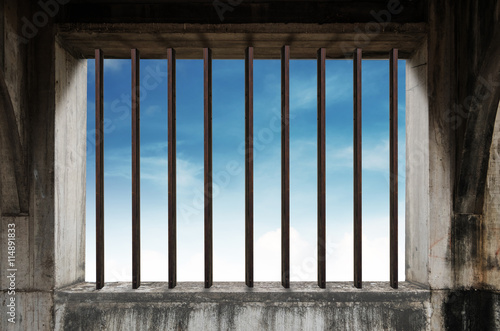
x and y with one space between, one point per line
233 306
239 292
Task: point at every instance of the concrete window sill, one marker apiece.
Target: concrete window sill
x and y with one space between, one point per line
228 291
234 306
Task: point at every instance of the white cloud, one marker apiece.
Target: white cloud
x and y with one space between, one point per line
115 65
154 265
152 110
303 263
154 166
189 174
374 157
224 269
303 255
304 92
119 268
268 257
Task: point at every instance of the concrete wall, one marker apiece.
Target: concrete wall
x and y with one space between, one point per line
70 167
230 306
15 70
452 255
490 259
417 169
50 115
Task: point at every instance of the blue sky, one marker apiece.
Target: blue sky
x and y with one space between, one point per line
228 167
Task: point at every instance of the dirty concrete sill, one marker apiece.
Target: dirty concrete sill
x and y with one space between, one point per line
238 292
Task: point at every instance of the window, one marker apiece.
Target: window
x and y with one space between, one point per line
229 169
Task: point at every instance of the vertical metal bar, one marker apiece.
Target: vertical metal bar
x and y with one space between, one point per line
136 172
357 168
393 159
99 167
321 59
172 175
249 166
207 83
285 166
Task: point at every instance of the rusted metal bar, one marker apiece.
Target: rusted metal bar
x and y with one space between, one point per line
249 166
357 168
172 174
136 172
393 159
99 167
207 83
321 59
285 166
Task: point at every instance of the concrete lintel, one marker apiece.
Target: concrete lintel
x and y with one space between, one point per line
229 41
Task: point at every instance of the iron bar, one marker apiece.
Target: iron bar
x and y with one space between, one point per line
136 172
393 159
357 169
285 166
321 60
207 83
172 174
99 166
249 166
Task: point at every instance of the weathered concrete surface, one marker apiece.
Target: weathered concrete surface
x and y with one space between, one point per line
447 252
24 253
229 41
440 69
478 94
471 310
430 154
417 169
13 112
491 218
70 167
33 311
466 250
233 306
